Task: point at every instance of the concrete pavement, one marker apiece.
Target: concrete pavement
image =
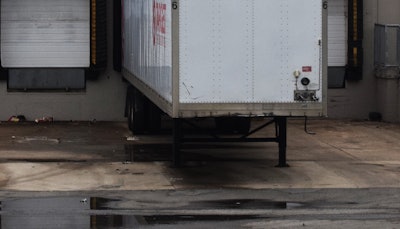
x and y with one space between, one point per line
105 156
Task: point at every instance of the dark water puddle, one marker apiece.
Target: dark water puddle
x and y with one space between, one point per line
229 204
63 212
87 212
170 219
94 212
247 204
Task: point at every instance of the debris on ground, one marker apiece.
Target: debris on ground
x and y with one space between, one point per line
132 138
17 118
44 119
35 139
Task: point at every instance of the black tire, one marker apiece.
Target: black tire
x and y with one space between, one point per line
233 125
129 114
128 106
136 112
153 114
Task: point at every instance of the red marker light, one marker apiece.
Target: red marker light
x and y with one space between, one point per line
307 69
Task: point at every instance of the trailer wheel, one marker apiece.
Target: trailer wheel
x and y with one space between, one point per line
130 115
136 112
153 114
233 125
128 105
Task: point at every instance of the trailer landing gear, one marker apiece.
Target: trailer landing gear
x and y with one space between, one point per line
280 137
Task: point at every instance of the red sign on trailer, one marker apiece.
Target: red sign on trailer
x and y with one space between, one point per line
159 23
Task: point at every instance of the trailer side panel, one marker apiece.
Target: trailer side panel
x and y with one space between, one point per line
147 45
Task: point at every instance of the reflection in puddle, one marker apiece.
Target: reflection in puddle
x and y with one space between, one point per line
115 221
247 204
61 212
92 212
173 219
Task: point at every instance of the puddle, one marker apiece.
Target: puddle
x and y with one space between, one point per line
246 204
230 204
82 212
172 219
116 221
40 205
61 212
93 212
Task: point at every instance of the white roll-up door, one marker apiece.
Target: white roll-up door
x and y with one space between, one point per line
337 33
45 33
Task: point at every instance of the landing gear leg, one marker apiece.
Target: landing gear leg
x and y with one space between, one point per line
176 145
282 140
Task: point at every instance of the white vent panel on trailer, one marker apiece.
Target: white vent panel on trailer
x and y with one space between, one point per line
45 33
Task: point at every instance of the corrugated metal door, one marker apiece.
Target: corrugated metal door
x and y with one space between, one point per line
337 33
45 33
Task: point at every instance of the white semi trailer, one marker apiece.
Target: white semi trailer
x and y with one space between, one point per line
224 58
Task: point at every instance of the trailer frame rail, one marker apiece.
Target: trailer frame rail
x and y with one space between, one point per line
180 137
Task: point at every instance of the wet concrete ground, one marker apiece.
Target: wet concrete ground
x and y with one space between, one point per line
206 208
97 175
